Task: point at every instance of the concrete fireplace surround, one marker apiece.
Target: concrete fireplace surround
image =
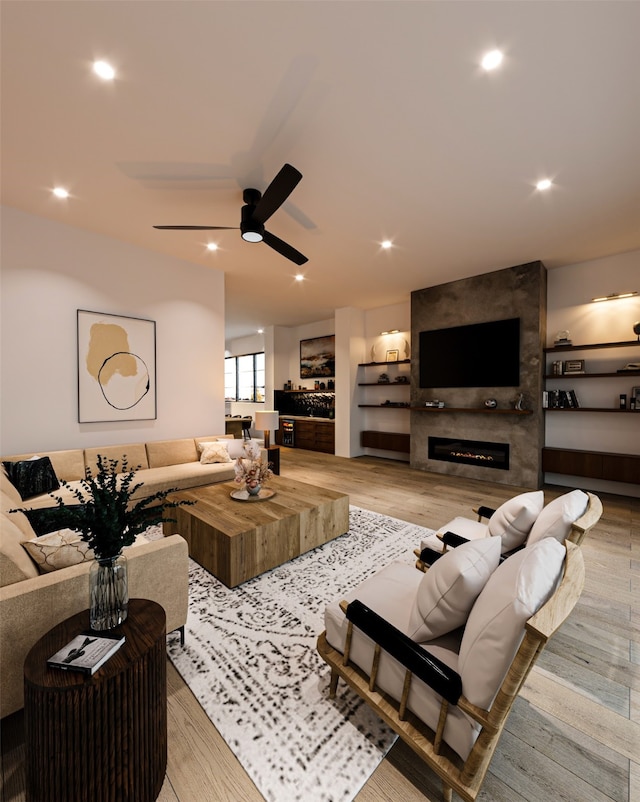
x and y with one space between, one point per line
519 291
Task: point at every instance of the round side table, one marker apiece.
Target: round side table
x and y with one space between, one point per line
103 737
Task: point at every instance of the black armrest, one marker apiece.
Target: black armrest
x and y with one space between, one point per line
444 680
485 512
429 556
452 540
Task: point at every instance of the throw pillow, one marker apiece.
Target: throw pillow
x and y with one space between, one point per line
512 521
556 518
515 591
214 452
58 550
450 587
32 477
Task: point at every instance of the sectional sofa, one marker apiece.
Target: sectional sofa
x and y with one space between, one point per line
34 596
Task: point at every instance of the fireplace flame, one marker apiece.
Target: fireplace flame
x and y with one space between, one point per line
471 455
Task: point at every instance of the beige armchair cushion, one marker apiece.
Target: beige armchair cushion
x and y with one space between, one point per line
512 521
556 518
449 588
515 591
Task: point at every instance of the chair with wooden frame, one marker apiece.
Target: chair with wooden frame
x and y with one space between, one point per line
574 531
369 676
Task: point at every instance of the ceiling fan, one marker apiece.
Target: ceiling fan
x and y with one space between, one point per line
257 210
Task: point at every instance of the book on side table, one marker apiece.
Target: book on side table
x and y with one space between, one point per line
86 652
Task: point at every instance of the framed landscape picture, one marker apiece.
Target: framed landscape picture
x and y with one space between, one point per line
116 368
318 357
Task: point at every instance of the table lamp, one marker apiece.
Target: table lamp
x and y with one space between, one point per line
268 421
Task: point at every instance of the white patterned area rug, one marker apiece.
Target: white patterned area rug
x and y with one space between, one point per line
250 659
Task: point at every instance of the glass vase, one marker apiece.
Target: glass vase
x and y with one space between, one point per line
108 592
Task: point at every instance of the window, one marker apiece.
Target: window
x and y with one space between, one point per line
244 377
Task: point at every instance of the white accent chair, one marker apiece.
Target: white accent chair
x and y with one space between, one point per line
441 656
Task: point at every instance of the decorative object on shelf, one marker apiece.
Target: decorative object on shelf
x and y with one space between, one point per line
251 472
434 403
395 404
393 355
636 329
108 520
519 402
318 357
491 403
383 378
562 338
402 380
556 367
331 384
634 401
573 366
267 421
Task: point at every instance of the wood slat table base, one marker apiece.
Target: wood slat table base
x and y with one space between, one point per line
101 738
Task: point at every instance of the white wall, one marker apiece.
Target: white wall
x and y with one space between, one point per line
49 270
570 290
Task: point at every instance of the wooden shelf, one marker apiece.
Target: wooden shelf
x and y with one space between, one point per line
481 410
385 406
617 375
397 362
307 390
589 409
590 346
384 384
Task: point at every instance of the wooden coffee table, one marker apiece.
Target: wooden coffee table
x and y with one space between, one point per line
237 540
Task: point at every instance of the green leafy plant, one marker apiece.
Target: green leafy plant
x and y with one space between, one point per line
106 517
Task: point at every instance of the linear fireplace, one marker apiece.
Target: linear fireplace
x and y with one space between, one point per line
470 452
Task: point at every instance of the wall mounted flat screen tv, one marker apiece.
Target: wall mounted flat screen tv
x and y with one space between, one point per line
476 355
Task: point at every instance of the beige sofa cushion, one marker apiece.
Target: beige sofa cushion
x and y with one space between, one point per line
135 453
15 563
171 452
68 464
58 550
10 496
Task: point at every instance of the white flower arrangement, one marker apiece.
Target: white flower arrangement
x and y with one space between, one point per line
250 470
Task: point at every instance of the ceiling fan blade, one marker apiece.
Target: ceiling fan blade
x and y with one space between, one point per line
277 192
284 248
197 228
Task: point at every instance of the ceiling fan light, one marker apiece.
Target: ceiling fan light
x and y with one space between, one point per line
252 236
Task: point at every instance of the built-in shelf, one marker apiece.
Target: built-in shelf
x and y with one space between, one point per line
308 390
385 406
588 347
482 410
619 374
383 384
395 362
590 409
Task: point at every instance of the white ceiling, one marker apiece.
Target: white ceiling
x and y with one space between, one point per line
381 105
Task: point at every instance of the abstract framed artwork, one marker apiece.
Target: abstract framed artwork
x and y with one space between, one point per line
318 357
116 368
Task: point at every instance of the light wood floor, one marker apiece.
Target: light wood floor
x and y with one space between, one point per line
573 735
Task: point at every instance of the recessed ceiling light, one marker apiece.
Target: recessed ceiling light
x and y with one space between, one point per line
299 277
104 70
212 246
386 244
545 183
492 60
260 331
60 192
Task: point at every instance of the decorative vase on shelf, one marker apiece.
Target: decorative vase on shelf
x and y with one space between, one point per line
108 592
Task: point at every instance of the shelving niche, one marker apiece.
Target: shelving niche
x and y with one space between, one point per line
594 464
384 440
